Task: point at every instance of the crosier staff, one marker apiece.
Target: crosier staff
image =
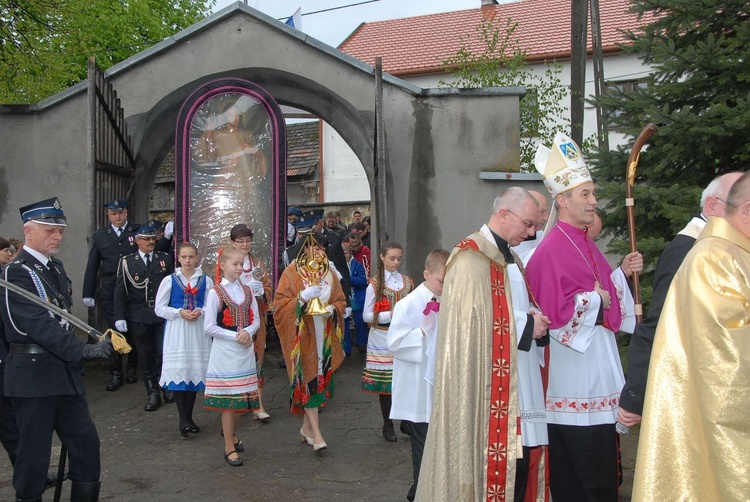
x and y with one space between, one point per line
635 154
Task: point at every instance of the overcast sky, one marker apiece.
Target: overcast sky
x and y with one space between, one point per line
334 26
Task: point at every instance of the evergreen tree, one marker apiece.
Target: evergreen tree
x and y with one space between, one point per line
699 96
45 44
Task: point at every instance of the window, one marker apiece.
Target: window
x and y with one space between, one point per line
626 87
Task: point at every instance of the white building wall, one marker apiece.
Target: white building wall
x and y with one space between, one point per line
345 178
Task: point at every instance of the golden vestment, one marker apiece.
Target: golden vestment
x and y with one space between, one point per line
695 437
471 449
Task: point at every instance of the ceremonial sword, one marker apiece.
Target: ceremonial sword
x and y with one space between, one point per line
118 341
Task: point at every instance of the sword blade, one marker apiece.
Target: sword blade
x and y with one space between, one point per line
93 333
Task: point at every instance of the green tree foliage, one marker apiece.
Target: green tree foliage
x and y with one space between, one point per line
45 44
499 61
699 96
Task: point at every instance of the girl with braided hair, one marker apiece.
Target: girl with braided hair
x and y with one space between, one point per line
385 289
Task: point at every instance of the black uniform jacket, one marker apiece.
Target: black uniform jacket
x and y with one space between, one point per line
106 250
137 304
56 371
336 254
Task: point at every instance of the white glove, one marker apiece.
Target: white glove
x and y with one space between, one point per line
310 292
169 230
121 326
347 312
429 323
256 286
89 302
331 309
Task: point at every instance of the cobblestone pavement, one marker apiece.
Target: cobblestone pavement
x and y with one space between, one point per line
144 457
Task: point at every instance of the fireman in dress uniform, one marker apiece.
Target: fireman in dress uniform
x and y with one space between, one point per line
108 245
43 377
138 279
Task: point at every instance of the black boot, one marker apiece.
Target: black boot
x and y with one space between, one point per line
115 380
131 376
38 499
168 395
81 491
385 409
389 434
153 400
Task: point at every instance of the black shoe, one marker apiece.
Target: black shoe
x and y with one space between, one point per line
168 395
389 434
239 445
131 376
189 429
115 380
405 428
153 400
50 481
234 462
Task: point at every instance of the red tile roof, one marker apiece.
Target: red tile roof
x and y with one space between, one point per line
418 45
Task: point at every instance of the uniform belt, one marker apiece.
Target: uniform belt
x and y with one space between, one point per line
381 326
26 348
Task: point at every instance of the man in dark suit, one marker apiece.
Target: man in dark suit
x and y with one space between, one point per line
138 279
713 203
43 371
108 245
335 252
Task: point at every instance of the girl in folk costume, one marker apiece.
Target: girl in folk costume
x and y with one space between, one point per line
384 290
231 380
180 300
310 339
254 275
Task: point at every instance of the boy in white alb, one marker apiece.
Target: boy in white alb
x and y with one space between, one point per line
411 339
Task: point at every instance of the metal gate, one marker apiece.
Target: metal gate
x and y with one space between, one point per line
111 163
110 153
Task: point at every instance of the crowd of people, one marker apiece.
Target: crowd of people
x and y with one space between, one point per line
501 365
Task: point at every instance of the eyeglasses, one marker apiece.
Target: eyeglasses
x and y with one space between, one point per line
529 224
9 250
243 241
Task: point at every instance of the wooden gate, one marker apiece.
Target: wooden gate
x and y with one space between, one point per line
110 154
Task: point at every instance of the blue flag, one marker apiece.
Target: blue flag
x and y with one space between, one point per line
295 20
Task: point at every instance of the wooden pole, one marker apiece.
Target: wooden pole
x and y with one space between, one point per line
578 31
381 169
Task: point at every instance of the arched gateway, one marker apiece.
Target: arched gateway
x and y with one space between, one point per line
435 142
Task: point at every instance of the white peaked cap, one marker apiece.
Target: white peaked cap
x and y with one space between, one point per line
562 166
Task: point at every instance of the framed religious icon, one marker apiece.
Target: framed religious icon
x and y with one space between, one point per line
230 168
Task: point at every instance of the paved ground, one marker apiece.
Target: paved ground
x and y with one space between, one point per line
144 457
